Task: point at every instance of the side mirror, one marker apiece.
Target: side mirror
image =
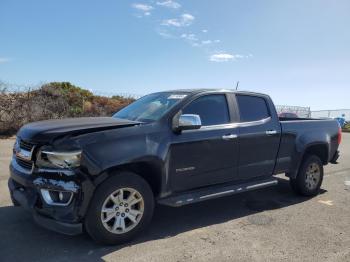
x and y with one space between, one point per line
188 122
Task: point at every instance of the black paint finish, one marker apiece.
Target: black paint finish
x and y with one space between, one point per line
174 162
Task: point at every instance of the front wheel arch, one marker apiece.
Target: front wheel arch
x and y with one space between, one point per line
151 172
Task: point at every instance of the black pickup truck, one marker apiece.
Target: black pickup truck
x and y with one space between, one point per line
105 174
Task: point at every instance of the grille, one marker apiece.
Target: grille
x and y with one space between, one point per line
25 164
26 145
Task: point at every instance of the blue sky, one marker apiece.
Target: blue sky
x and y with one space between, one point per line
296 51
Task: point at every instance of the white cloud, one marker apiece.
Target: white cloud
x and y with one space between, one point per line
143 7
195 41
165 34
225 57
191 37
187 18
169 4
146 9
206 42
4 60
172 22
204 31
184 20
222 57
217 41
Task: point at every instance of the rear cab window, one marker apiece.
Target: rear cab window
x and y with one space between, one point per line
252 108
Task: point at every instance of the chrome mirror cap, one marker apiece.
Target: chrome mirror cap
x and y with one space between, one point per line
189 121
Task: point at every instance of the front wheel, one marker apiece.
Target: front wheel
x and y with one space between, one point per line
121 208
309 179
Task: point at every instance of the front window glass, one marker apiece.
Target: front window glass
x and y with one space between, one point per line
212 109
150 107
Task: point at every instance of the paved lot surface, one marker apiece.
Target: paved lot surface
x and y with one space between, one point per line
266 225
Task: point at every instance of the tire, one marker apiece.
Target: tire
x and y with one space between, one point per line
309 178
107 227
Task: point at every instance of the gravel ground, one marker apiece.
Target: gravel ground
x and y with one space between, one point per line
270 224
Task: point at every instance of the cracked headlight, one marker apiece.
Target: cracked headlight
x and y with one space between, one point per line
51 159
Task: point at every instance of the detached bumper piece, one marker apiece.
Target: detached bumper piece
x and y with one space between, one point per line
49 200
56 192
57 226
25 198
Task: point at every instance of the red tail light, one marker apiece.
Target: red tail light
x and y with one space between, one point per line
339 136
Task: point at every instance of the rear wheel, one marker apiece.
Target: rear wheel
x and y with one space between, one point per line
309 179
121 208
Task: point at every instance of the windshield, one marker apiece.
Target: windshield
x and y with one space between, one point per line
150 107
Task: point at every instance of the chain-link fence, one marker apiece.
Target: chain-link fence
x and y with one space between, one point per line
300 111
305 112
331 114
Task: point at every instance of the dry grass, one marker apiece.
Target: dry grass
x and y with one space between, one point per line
53 101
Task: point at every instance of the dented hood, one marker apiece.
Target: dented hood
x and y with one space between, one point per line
44 131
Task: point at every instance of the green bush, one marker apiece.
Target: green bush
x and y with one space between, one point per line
346 128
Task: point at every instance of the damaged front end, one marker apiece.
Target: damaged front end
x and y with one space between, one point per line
51 185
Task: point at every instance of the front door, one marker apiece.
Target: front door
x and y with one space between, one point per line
208 155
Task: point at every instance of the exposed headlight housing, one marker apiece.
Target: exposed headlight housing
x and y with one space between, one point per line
52 159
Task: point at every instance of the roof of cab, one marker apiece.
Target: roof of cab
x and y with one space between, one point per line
198 91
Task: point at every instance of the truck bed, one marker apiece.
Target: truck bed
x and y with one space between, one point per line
298 132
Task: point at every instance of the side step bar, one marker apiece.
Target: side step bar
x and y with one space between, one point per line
215 192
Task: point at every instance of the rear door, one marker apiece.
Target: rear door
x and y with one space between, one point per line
259 137
208 155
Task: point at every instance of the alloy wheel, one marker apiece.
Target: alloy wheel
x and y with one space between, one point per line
313 175
122 210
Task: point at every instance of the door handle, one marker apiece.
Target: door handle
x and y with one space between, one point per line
271 132
229 137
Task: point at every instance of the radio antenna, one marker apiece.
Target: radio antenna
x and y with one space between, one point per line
237 84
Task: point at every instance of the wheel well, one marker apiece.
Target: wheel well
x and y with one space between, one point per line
149 172
319 150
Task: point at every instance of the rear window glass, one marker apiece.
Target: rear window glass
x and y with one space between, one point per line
252 108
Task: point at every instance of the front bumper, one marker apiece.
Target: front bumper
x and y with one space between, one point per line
25 190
